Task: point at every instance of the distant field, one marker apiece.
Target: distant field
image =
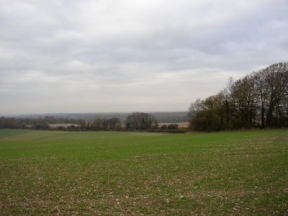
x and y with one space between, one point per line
65 125
180 124
121 173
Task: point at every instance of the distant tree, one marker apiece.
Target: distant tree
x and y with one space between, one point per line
7 122
104 124
118 126
172 126
195 107
210 114
140 121
112 122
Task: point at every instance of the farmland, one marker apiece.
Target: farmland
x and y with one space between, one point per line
123 173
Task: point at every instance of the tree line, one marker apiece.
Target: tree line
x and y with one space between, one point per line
34 123
135 121
258 100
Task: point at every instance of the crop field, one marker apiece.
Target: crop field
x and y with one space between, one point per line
131 173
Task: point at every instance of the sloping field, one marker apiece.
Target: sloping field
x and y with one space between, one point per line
118 173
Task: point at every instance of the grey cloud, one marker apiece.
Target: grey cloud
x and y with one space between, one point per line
126 52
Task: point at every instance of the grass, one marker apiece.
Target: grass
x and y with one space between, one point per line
117 173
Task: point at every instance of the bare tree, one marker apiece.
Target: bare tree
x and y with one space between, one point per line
260 98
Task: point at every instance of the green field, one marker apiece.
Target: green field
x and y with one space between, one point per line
123 173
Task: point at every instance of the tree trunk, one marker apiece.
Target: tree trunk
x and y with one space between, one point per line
262 115
269 115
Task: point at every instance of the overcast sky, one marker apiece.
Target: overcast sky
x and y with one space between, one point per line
131 55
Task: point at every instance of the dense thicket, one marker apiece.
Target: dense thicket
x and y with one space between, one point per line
260 99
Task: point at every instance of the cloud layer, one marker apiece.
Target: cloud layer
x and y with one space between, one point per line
144 55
